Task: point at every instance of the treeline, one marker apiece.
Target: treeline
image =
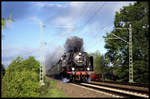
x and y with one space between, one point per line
118 51
103 67
111 72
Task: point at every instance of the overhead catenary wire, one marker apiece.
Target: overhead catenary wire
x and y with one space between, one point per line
104 28
68 34
84 12
90 19
88 12
94 14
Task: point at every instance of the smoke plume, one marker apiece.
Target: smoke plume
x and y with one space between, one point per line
74 44
53 57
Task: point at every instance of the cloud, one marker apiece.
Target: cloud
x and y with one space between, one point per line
65 24
76 14
84 14
87 9
11 52
49 4
35 19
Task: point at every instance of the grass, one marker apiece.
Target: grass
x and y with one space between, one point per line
53 91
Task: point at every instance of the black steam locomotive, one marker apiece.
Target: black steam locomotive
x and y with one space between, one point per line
76 66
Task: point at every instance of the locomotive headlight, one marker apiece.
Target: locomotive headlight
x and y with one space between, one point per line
73 68
79 53
61 58
88 68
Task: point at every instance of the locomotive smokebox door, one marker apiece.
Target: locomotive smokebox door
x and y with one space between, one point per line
91 61
79 58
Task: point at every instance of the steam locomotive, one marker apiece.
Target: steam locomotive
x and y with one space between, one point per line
75 66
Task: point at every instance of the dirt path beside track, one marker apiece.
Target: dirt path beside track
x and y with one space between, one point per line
72 90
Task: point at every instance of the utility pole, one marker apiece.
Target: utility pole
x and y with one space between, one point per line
130 51
130 56
41 57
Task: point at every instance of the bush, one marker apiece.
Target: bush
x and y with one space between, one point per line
21 78
20 84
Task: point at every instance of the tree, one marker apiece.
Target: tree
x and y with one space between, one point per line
22 78
5 21
137 15
99 63
9 20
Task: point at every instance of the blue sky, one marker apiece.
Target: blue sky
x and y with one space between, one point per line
87 20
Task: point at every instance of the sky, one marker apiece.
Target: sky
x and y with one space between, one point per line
59 20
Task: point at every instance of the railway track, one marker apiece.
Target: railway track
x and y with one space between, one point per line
116 91
123 83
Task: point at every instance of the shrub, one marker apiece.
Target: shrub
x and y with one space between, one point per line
21 78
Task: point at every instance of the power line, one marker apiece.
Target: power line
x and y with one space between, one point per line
106 26
94 14
87 12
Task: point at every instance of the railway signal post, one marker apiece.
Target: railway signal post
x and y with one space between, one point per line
130 51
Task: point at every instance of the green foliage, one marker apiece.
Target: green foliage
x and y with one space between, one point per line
21 78
100 63
108 73
20 84
3 21
52 90
97 62
137 15
2 71
30 64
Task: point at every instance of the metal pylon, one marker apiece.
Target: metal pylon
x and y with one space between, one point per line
130 56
